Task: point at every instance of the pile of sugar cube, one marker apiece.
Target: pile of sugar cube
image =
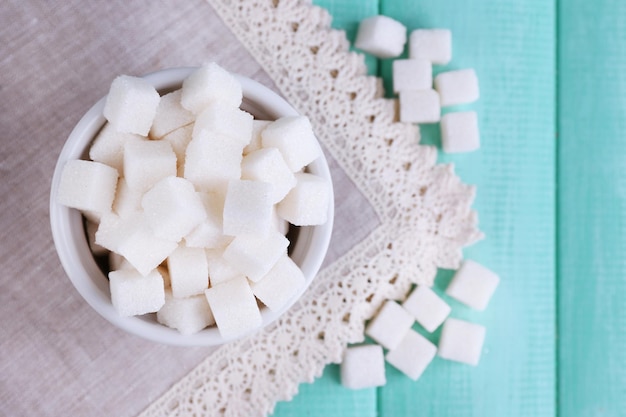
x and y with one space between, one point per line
385 37
363 366
191 198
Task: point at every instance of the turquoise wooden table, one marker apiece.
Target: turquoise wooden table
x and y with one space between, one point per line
550 197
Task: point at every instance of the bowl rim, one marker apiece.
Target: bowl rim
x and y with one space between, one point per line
78 261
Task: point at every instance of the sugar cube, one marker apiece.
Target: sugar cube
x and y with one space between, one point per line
117 261
269 166
170 115
210 84
189 272
294 138
247 208
419 106
127 201
434 45
179 139
131 105
473 285
133 294
457 87
307 203
173 208
187 315
91 229
219 269
87 185
363 367
426 307
254 256
412 355
208 234
390 325
108 147
280 284
234 308
147 162
461 341
255 141
412 74
278 223
112 230
220 120
459 132
381 36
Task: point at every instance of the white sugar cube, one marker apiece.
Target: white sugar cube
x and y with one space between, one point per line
269 166
219 269
461 341
211 161
219 120
381 36
108 147
473 285
133 294
187 315
459 132
208 234
131 105
112 230
363 367
88 186
179 139
210 84
147 162
170 115
278 223
307 203
390 325
91 229
427 307
419 106
189 272
412 355
294 138
412 74
173 208
117 261
254 256
255 141
234 308
457 87
434 45
127 201
280 284
247 208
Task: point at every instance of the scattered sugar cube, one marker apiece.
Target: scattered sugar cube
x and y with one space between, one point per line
459 132
187 315
208 234
473 285
269 166
255 141
170 115
179 139
254 256
435 45
307 203
390 325
381 36
412 74
219 269
457 87
427 307
133 294
147 162
419 106
234 307
127 201
210 84
247 208
363 367
294 138
189 272
232 123
412 355
461 341
131 105
173 208
211 161
280 284
108 147
87 186
92 228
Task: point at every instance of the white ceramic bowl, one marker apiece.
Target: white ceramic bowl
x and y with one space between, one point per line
308 250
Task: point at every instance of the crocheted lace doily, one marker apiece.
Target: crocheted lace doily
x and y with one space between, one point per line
424 214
